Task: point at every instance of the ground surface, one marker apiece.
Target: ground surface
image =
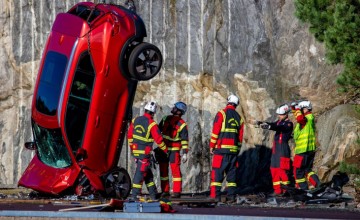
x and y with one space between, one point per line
250 205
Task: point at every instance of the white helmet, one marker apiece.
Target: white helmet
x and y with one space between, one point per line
233 99
305 104
151 106
283 109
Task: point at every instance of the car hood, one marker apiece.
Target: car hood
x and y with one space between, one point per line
46 179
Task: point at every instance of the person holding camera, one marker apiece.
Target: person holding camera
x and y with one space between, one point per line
280 156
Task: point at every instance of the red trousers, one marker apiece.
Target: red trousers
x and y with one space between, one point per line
279 176
174 162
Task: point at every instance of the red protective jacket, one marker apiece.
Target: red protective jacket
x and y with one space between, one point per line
229 132
175 133
300 118
143 132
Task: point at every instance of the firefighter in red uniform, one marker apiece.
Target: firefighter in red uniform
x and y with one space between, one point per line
225 143
142 133
305 145
280 157
175 134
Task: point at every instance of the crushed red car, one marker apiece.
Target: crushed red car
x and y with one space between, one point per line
83 97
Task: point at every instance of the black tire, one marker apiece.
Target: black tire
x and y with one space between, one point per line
145 61
117 183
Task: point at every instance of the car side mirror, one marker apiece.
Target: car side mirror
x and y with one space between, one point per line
30 145
81 154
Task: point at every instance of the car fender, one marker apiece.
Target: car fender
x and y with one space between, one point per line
94 179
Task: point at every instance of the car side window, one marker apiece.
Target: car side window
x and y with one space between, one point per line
49 89
79 101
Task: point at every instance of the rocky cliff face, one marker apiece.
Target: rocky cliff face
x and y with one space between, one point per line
257 50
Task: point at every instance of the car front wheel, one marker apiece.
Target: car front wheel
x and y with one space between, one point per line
145 61
117 183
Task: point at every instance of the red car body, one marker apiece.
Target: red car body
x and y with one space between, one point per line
83 98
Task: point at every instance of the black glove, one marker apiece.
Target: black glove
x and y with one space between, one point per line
258 122
265 126
160 155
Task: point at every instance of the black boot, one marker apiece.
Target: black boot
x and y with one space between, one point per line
175 195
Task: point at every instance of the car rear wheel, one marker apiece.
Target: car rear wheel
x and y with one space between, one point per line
117 183
145 61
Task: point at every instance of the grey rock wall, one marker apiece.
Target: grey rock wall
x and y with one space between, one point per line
257 50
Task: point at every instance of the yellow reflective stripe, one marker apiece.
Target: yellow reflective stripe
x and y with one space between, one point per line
139 151
142 138
231 184
149 129
184 147
281 182
164 178
223 122
285 182
276 183
136 155
150 184
142 129
232 119
184 142
310 174
176 138
176 179
162 146
171 139
297 113
231 130
162 202
181 127
214 135
216 184
213 141
174 148
137 186
130 140
300 180
230 147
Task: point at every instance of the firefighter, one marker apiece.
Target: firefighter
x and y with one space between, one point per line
225 143
175 134
280 156
305 145
143 131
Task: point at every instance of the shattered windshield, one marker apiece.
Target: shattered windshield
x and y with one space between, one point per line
51 148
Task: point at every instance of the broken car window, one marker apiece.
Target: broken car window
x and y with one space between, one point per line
51 148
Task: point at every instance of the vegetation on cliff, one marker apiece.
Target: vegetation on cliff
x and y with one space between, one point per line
336 23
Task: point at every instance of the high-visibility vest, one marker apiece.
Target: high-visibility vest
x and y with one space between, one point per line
228 140
305 137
